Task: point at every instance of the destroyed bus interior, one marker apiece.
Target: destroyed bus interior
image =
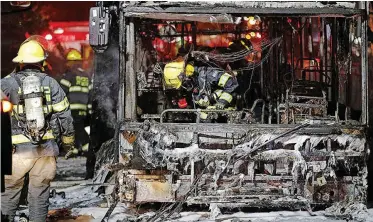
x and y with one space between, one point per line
293 133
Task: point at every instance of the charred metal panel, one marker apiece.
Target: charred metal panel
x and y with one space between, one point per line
311 166
268 8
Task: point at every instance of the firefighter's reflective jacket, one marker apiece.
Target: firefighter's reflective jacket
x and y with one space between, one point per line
56 110
77 85
216 83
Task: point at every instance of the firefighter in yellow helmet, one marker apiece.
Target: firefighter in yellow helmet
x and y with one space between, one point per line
40 114
215 87
178 82
77 84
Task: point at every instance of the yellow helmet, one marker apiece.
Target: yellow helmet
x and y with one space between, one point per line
30 52
172 73
74 55
189 70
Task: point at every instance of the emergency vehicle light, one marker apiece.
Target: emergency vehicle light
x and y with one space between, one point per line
48 37
58 31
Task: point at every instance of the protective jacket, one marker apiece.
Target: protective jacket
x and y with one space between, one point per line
216 83
77 85
56 110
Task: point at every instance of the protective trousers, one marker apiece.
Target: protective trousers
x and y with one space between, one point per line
81 136
41 171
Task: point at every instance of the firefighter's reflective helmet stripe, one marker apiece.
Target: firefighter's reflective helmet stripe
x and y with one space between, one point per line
74 55
217 94
65 82
203 115
30 52
189 70
78 106
20 138
78 89
226 96
61 106
223 79
172 72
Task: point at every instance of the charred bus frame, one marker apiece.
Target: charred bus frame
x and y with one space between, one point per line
230 163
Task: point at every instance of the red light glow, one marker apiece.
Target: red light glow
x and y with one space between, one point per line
48 37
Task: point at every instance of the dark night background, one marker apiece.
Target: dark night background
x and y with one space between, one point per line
34 20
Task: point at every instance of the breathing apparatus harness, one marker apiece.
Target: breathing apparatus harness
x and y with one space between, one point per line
32 98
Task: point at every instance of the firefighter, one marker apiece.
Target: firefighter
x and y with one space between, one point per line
40 114
215 87
178 83
77 86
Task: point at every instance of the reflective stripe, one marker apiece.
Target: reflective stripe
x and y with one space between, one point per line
48 97
78 89
223 79
65 82
90 111
19 109
47 93
61 106
243 43
20 138
203 115
78 106
226 96
8 76
89 106
82 113
85 147
217 94
90 87
68 139
47 108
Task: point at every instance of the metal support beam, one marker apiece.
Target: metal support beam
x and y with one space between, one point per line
335 76
130 94
194 34
364 62
251 10
122 66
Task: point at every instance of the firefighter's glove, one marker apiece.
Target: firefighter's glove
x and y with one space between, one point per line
220 105
68 145
203 101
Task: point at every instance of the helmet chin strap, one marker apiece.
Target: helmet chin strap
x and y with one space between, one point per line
38 65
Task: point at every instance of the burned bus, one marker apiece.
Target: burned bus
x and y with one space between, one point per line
295 134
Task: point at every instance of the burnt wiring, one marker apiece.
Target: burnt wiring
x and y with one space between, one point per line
176 207
248 89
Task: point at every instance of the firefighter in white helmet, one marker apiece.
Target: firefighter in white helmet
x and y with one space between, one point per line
40 114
